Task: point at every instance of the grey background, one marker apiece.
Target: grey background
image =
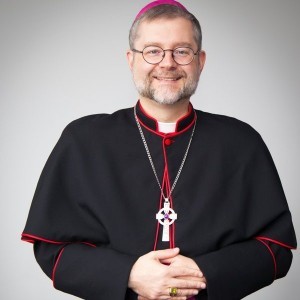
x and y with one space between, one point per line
54 68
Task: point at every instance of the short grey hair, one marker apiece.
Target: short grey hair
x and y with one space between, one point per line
165 11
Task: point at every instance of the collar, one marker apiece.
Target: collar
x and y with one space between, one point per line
150 123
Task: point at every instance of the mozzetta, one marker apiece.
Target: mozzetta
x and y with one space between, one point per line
94 210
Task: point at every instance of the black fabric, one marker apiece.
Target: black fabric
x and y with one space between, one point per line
98 187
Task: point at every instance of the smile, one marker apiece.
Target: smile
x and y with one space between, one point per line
167 78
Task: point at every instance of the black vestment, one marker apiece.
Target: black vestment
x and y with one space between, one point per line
93 212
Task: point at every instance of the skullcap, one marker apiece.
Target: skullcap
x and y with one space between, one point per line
157 3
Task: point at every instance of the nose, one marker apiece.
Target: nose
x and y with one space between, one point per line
168 61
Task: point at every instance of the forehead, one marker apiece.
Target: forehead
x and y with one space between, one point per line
166 32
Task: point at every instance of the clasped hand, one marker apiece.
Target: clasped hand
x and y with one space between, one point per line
155 272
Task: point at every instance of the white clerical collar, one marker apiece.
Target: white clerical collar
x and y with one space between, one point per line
166 127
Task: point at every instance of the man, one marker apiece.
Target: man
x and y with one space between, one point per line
120 192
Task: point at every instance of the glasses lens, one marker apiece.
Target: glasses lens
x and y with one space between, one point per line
153 54
183 55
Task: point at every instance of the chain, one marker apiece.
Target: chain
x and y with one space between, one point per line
151 160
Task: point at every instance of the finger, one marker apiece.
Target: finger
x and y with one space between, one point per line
187 293
173 298
165 297
165 254
194 277
167 261
184 271
182 294
202 279
187 284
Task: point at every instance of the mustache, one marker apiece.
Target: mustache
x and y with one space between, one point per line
174 74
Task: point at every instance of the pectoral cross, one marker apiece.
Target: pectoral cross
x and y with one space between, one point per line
166 217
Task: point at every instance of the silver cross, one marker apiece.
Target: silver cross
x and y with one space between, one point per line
166 217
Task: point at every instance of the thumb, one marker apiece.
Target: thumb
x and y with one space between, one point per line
165 254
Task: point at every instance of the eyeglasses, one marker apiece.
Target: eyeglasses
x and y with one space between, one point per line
154 55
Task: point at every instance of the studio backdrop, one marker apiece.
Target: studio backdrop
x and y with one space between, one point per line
60 60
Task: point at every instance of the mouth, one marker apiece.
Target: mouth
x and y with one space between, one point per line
169 79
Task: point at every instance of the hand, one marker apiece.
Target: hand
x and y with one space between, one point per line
180 260
151 279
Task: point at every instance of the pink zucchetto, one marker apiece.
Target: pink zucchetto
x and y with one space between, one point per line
156 3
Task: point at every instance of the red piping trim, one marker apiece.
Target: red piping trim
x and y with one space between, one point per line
183 130
168 189
148 116
183 117
172 229
37 238
272 254
88 244
151 130
169 135
156 122
275 242
33 238
55 266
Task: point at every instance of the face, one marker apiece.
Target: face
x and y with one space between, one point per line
166 82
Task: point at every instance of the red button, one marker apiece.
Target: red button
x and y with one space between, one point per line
168 142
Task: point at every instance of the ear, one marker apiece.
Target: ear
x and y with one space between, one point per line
202 59
129 55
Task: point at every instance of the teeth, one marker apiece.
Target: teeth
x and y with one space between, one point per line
167 79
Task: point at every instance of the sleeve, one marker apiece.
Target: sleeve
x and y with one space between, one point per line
71 243
264 254
238 270
85 271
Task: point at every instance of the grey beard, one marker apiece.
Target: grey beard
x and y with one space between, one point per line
165 96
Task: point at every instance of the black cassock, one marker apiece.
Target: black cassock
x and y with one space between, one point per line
94 209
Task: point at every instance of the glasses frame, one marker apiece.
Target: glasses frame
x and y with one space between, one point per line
164 50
